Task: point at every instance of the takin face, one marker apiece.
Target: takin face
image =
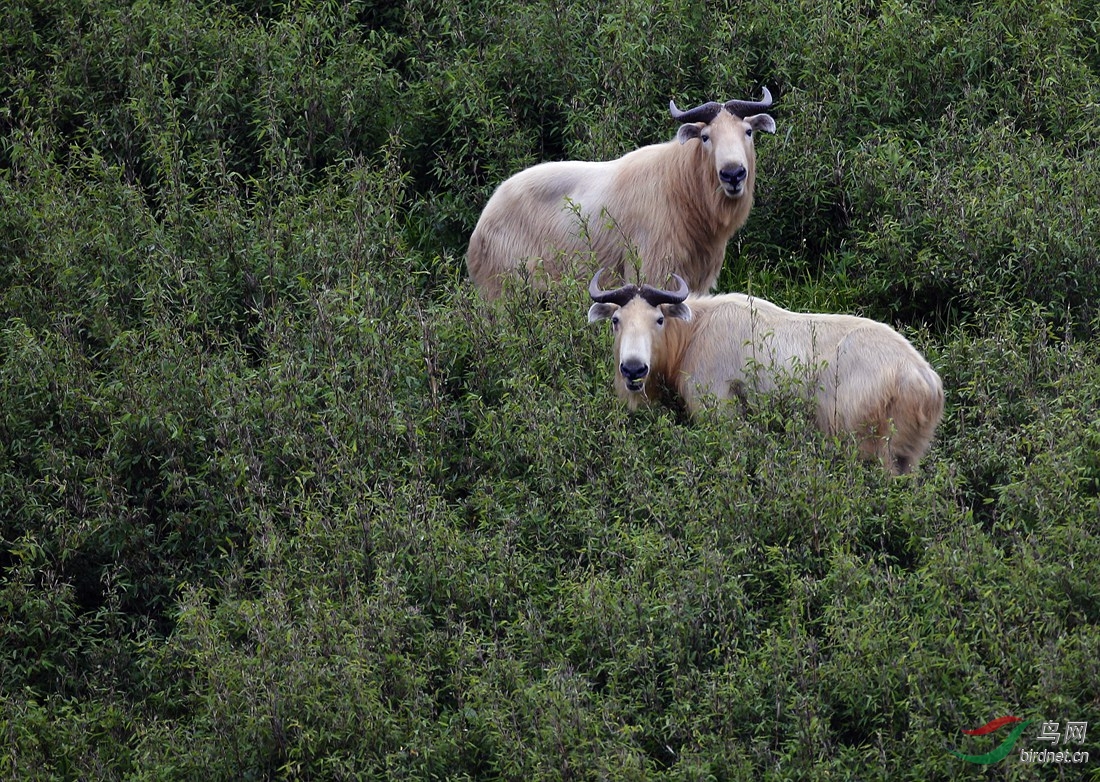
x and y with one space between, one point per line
645 342
727 139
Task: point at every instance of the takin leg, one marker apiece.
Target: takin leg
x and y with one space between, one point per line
877 442
898 441
909 424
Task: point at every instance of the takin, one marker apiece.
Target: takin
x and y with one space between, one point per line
668 208
862 376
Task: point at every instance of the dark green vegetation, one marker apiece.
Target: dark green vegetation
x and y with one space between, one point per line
280 498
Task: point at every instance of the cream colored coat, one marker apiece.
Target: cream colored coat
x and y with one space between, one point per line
863 377
664 205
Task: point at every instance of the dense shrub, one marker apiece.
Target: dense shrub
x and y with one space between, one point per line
282 497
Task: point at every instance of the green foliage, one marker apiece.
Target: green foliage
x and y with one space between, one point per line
997 215
282 498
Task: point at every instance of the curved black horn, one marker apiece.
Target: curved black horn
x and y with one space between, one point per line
655 296
618 296
746 108
703 113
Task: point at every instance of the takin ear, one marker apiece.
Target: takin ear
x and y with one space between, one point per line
601 311
762 122
680 311
689 131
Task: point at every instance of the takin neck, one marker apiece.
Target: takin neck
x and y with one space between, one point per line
708 214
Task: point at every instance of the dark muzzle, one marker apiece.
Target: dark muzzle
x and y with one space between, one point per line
634 373
733 178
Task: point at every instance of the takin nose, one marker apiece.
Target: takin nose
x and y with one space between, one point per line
634 373
733 177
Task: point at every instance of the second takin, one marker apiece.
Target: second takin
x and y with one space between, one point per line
675 205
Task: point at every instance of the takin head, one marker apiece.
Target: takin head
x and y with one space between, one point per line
638 314
725 131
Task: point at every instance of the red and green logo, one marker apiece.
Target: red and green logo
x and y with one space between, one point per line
1002 749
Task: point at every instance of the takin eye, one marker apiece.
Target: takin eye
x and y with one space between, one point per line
614 321
704 137
660 320
748 133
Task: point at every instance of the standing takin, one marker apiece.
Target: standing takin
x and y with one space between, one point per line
862 376
675 205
